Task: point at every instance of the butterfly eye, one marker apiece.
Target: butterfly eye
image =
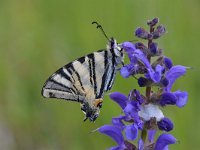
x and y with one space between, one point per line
99 104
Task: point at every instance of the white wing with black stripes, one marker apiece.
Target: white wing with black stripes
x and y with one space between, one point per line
86 79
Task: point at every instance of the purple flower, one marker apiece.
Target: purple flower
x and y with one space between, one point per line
155 75
129 70
142 111
182 98
165 124
168 98
131 131
119 98
131 107
118 121
131 110
135 55
177 98
174 73
163 141
115 133
129 47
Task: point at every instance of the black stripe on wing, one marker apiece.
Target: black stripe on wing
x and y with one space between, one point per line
106 68
78 76
112 71
92 71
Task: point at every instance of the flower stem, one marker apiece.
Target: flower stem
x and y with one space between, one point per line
148 89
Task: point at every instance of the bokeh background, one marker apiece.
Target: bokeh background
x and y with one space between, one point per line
39 36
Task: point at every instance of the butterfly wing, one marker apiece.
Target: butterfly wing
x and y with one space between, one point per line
86 79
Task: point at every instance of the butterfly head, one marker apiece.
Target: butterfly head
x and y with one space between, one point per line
91 112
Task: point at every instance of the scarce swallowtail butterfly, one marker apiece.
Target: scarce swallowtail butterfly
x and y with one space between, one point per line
85 79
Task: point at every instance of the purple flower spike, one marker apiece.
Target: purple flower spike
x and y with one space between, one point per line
174 73
142 109
115 133
163 141
165 124
182 98
168 98
119 98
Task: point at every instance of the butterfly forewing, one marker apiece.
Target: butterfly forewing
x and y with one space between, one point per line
85 79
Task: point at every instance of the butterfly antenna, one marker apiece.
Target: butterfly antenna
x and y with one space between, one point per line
101 28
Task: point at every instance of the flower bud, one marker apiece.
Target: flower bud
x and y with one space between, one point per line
168 62
143 34
152 22
164 82
153 47
165 124
159 31
142 82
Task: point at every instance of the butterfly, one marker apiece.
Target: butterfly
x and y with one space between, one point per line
85 79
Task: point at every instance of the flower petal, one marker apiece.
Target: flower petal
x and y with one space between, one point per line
156 75
168 62
174 73
182 98
114 132
131 131
124 71
142 58
165 124
129 47
117 148
117 121
151 134
140 144
168 98
163 141
128 70
119 98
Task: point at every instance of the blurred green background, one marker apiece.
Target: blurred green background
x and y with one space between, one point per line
39 36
